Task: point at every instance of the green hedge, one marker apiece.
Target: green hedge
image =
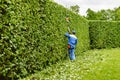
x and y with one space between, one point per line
104 34
56 16
32 36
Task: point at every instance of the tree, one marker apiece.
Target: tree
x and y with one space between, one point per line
75 8
91 15
117 13
101 15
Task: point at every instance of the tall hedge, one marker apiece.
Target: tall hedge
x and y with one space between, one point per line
104 34
32 36
21 24
56 18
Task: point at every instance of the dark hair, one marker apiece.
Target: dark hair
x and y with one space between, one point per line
74 32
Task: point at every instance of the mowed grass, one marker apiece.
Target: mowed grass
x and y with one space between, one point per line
91 65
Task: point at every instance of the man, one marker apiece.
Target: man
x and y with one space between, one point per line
72 41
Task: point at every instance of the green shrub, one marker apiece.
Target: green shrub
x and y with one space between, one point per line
32 36
104 34
21 22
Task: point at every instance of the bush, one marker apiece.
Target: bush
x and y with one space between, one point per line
104 34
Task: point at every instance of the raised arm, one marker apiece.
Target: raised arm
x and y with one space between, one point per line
67 34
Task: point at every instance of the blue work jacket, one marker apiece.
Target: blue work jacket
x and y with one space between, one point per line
72 40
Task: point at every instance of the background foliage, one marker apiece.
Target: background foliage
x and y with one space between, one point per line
32 36
75 8
104 34
109 14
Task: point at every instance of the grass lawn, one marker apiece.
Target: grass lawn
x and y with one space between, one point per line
101 64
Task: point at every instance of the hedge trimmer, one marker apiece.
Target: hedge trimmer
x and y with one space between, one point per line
68 21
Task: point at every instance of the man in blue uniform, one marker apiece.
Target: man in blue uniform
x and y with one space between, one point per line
72 41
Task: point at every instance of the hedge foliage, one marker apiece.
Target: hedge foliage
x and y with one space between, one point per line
104 34
21 22
56 18
32 36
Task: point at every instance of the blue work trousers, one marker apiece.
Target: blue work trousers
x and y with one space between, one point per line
71 54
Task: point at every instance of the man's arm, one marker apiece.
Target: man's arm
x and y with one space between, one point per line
67 34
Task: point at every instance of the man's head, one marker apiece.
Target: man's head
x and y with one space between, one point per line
74 32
